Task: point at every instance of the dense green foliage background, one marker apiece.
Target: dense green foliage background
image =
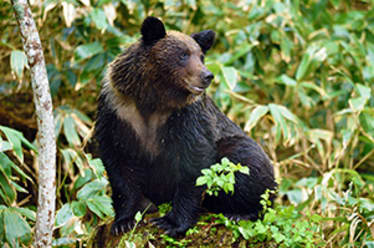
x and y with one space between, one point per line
297 75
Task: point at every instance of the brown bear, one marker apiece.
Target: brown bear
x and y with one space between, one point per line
157 129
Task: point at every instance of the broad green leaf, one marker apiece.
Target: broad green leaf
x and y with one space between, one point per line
82 116
97 166
88 50
99 18
369 244
16 228
104 204
367 122
92 188
78 208
30 214
256 114
13 137
70 131
230 75
83 178
63 215
357 104
201 181
364 91
92 205
5 146
295 196
277 235
18 61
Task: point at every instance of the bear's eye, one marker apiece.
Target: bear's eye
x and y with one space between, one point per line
184 56
202 57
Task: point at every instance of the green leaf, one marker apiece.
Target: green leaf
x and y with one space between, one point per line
104 204
256 114
16 228
63 215
287 80
192 4
201 181
241 51
6 162
70 131
358 104
295 196
99 18
30 214
303 67
92 188
230 75
88 50
18 61
13 137
276 112
138 216
7 192
97 166
364 91
5 146
244 170
78 208
92 205
287 114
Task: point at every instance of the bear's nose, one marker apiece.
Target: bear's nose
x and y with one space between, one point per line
207 77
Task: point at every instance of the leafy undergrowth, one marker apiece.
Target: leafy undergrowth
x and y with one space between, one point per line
208 232
280 227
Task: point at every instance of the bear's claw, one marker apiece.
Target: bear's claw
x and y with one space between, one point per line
122 226
170 228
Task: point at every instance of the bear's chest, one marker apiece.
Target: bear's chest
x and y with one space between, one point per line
146 130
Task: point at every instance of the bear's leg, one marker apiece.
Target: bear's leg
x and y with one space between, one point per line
127 200
126 186
186 209
245 202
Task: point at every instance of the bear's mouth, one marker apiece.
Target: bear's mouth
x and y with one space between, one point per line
197 90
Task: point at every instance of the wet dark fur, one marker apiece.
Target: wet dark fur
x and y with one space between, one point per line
193 135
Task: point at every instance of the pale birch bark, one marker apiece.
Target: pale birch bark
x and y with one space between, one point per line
46 137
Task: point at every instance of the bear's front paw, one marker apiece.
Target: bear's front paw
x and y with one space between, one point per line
171 228
122 225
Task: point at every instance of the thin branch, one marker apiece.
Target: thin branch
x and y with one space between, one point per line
46 137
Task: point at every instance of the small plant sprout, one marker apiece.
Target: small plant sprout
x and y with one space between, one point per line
220 176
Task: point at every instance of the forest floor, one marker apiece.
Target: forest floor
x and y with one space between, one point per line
208 232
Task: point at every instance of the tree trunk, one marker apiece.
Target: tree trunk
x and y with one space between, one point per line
46 137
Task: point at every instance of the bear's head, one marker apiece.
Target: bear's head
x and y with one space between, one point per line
163 69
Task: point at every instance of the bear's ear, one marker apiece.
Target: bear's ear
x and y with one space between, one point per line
152 30
205 39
